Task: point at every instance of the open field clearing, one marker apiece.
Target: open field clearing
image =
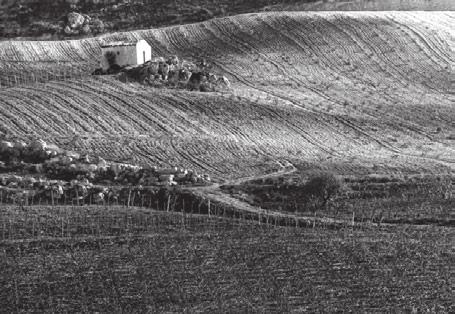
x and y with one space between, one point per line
144 261
366 92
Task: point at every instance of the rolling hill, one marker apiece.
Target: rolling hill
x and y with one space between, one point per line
46 19
358 92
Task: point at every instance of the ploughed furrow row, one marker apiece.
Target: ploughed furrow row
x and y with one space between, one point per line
374 63
249 47
320 43
401 80
56 107
12 119
427 37
271 53
105 100
347 25
392 55
279 94
307 86
339 119
428 62
126 107
29 112
77 103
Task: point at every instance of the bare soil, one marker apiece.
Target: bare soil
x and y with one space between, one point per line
135 260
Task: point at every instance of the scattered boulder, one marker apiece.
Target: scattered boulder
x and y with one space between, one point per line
75 20
38 146
62 172
77 24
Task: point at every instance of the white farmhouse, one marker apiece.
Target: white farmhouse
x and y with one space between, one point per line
125 53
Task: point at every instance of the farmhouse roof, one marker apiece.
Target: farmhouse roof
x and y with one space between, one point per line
118 44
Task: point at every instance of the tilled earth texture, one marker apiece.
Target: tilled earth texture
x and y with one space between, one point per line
351 91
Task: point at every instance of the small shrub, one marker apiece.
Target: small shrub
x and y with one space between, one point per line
97 26
320 189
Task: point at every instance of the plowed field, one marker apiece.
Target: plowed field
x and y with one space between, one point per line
359 92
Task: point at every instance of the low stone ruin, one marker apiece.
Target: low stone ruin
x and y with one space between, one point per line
172 73
45 170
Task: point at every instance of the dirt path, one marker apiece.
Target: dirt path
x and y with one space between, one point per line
214 193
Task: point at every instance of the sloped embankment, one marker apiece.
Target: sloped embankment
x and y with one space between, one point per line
363 91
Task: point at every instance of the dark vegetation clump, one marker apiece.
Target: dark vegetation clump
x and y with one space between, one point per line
321 188
308 192
18 18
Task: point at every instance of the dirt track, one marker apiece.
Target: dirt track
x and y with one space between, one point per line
358 92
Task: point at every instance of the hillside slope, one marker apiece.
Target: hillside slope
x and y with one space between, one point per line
359 91
365 5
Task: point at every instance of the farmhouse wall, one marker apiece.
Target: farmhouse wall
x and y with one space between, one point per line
144 52
136 54
125 55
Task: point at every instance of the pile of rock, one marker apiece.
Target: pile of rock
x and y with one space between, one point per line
81 24
19 151
77 24
49 161
172 72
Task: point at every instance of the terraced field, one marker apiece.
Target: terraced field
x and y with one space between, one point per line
357 92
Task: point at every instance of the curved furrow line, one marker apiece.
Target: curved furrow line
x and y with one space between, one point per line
99 94
11 123
424 68
284 72
313 36
330 65
367 38
280 68
158 126
220 30
46 98
341 120
286 98
36 114
124 108
227 127
404 54
165 105
298 129
191 157
428 61
396 71
441 37
76 102
196 114
365 42
175 40
170 122
50 121
31 111
90 49
426 41
203 43
412 126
